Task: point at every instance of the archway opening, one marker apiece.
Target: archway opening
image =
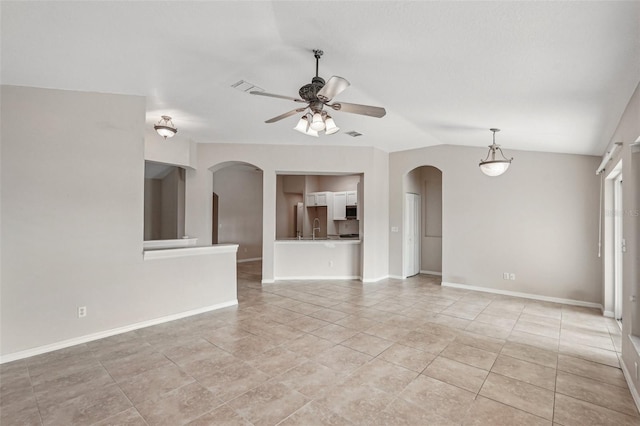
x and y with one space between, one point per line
422 222
237 212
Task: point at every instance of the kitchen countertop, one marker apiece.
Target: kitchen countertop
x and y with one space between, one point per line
350 240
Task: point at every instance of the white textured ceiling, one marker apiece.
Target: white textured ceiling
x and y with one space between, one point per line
554 76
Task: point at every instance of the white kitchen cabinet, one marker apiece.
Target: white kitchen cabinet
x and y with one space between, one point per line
322 199
339 205
311 200
317 199
352 198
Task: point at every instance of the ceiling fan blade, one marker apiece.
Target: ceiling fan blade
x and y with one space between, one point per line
273 95
332 88
285 115
371 111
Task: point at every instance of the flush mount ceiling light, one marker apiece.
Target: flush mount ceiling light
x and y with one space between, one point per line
491 166
165 127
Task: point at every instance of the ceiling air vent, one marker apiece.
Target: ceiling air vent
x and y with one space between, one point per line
245 86
353 133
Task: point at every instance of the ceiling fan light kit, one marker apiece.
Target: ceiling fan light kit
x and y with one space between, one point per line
317 123
165 127
317 95
303 126
330 126
491 166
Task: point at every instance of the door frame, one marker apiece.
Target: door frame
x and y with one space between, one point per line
613 217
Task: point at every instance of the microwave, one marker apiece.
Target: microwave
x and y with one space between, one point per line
351 212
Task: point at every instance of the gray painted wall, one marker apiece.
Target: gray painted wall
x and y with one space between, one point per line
539 220
239 189
431 184
72 176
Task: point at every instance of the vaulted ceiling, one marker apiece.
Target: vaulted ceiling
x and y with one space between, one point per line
554 76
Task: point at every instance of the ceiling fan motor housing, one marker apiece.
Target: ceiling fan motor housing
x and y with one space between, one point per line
308 92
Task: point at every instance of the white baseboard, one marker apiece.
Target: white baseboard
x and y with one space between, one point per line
608 314
319 277
351 277
524 295
400 277
630 384
253 259
374 280
107 333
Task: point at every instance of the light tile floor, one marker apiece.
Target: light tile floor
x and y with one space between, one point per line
338 353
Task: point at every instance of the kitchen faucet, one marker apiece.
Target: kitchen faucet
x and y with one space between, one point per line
313 232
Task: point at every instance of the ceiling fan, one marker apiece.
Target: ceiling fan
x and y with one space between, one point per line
316 95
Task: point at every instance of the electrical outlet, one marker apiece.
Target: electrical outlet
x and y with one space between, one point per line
512 276
505 275
82 311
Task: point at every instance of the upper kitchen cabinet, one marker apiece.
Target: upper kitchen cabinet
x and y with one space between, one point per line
352 198
339 205
341 200
318 199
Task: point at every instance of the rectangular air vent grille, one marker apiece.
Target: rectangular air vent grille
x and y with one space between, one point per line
245 86
353 133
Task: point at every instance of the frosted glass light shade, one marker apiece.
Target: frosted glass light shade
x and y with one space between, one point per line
165 127
495 167
165 132
302 125
317 123
490 166
331 127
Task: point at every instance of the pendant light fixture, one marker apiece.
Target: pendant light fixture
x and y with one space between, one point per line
491 166
165 127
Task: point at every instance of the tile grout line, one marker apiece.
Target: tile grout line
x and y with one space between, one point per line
123 392
33 391
494 361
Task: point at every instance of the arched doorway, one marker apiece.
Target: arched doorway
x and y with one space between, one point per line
422 222
237 211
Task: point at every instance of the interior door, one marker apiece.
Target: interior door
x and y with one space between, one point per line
411 235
